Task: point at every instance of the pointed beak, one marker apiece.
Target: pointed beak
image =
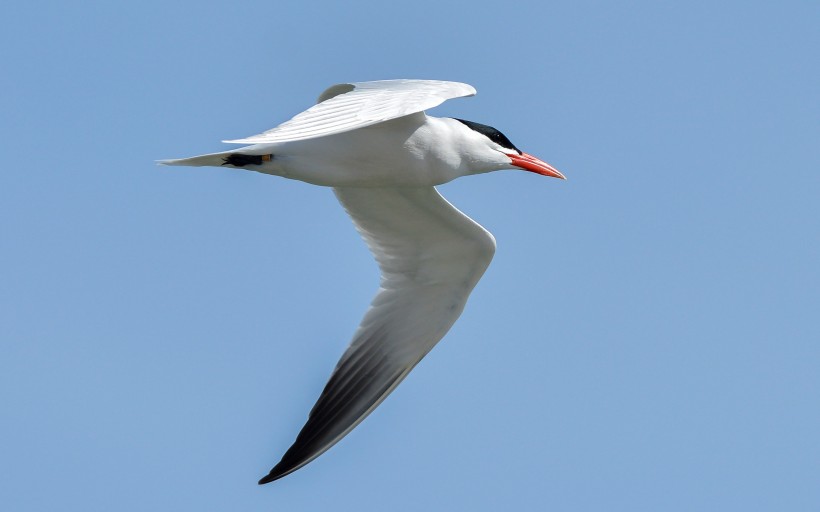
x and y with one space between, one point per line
532 164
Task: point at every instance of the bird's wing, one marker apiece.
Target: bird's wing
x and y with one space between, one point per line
431 256
345 107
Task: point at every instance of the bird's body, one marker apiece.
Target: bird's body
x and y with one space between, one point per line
406 143
383 155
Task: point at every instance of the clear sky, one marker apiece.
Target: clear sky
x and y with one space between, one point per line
647 338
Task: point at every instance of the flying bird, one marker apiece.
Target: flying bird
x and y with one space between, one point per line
373 143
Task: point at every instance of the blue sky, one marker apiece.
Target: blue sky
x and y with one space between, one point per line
647 338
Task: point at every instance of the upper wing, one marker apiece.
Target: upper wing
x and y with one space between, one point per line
431 256
345 107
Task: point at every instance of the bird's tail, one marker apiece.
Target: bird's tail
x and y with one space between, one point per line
225 158
211 159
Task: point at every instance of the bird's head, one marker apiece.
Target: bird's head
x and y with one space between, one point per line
494 151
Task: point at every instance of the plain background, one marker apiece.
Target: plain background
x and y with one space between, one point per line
645 340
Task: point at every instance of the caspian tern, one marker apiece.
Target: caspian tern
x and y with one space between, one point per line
383 156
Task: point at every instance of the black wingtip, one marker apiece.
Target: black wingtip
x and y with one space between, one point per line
270 477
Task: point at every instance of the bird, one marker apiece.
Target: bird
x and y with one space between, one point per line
374 144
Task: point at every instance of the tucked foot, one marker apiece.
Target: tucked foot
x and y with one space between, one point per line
240 160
